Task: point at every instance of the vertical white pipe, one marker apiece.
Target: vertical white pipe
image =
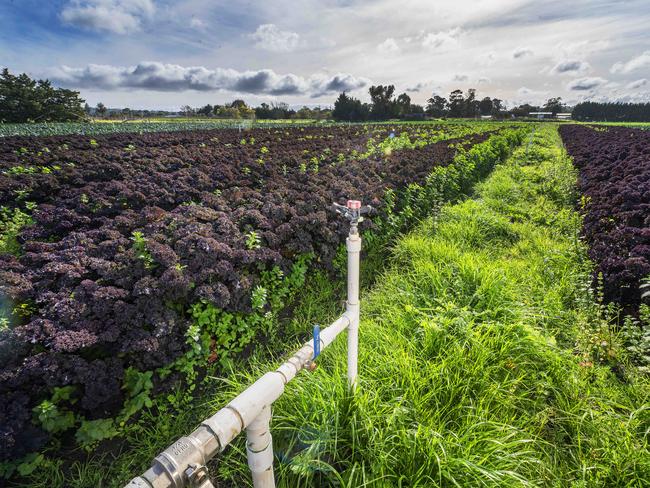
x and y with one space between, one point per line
259 448
353 245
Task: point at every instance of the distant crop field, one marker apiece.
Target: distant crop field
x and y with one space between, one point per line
141 126
636 125
104 126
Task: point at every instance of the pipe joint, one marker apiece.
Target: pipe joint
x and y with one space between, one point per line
177 458
224 425
260 461
264 391
353 243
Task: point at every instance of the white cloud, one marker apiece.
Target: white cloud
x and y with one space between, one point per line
197 23
640 62
389 46
530 93
483 80
583 48
270 38
156 76
460 78
584 84
416 88
635 85
116 16
571 67
522 52
486 59
438 41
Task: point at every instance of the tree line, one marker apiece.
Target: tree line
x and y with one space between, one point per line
23 99
238 109
384 105
612 112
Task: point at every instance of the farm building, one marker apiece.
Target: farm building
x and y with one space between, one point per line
541 115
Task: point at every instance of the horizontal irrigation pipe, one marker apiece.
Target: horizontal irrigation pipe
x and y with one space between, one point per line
183 464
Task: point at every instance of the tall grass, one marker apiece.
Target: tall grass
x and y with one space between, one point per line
477 361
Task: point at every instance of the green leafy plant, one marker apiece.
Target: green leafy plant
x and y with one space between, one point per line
92 431
12 221
140 248
53 417
138 386
258 297
24 467
253 240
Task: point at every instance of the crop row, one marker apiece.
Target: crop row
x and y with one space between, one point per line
151 250
92 129
108 127
614 165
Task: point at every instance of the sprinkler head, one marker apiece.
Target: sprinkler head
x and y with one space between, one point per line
352 211
353 204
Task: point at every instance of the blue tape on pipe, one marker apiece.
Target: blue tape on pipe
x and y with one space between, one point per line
316 341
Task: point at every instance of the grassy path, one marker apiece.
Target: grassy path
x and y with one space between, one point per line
484 360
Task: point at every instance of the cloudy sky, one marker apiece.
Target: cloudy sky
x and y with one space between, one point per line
167 53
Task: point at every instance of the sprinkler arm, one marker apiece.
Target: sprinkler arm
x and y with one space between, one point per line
353 211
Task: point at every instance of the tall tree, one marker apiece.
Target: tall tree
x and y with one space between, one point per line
524 110
486 106
456 104
206 110
497 107
187 110
471 104
553 105
101 109
403 105
437 106
349 108
382 101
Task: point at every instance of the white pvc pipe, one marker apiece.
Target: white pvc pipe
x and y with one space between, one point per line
216 432
259 449
353 245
